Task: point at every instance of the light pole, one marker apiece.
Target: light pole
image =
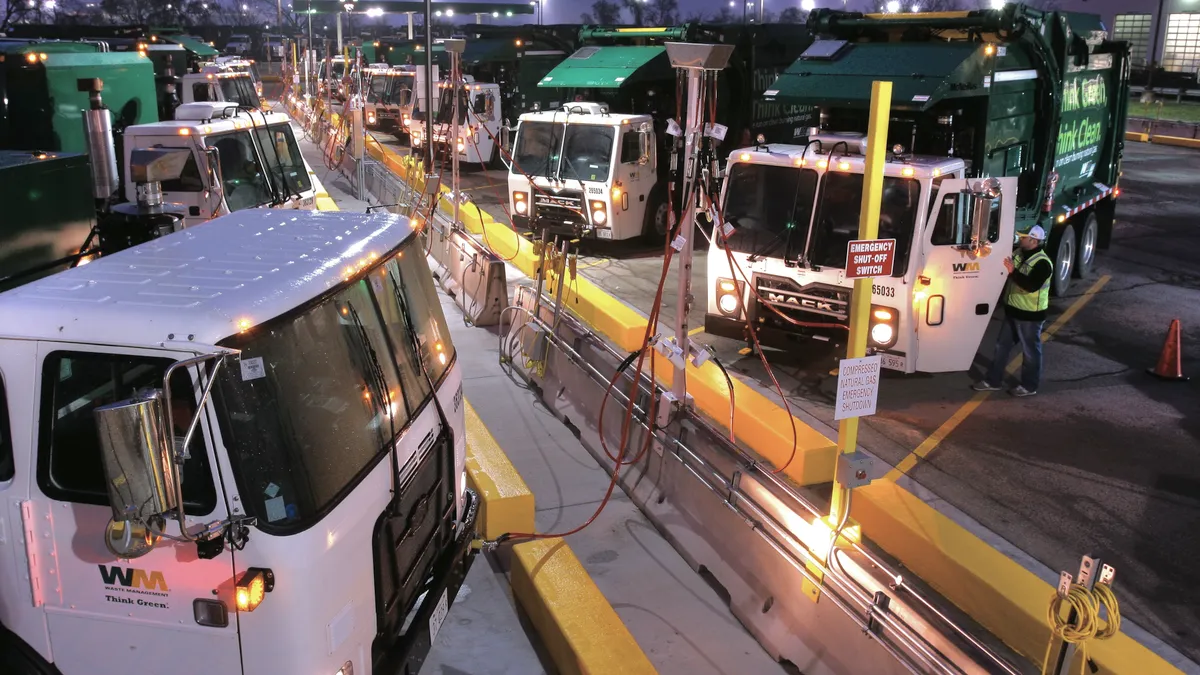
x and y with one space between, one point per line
428 109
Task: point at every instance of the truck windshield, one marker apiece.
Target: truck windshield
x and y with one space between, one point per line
586 152
399 90
377 88
240 89
445 113
837 218
242 175
282 155
319 394
770 207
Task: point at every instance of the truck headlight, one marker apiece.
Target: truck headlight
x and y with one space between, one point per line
460 145
370 118
883 326
599 213
520 205
729 297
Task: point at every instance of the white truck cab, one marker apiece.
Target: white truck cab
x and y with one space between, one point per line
238 449
331 73
402 96
217 83
238 45
580 171
791 211
251 159
479 122
238 64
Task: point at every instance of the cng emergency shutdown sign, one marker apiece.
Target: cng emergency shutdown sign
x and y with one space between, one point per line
857 387
870 258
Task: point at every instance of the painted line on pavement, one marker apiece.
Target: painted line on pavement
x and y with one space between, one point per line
935 439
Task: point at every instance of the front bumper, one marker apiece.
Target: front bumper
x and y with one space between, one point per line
769 336
410 649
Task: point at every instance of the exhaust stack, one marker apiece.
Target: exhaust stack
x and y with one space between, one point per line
97 128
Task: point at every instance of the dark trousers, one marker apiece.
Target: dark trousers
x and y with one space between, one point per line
1029 335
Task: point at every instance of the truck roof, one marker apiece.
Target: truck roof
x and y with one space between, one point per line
606 119
207 118
780 154
204 283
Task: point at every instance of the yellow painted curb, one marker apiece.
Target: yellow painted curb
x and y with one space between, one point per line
506 503
1176 141
993 589
580 629
760 423
1137 136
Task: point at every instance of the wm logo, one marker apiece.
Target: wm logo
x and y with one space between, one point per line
133 577
966 267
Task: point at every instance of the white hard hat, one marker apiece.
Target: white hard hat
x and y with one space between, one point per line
1036 232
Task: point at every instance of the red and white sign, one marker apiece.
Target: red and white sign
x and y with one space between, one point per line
870 258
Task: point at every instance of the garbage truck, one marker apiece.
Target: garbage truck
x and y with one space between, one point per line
1000 120
598 165
242 442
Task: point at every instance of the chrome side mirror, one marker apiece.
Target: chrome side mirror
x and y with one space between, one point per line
645 140
139 470
985 193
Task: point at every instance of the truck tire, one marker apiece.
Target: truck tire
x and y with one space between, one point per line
1062 252
1089 237
18 658
654 224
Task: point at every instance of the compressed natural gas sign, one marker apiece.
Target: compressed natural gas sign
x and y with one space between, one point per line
870 258
857 387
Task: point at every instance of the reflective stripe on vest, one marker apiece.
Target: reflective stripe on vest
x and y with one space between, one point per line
1030 301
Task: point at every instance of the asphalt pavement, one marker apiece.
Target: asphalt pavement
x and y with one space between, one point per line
1104 461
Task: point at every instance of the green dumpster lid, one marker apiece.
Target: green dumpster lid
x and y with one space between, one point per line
489 50
609 67
193 45
921 74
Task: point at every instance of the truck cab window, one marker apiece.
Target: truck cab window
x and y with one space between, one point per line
631 147
189 179
769 207
244 181
201 91
7 468
953 226
837 218
74 384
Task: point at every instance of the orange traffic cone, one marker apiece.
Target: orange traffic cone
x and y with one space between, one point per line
1170 362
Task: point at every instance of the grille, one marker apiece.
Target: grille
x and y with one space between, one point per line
813 302
566 208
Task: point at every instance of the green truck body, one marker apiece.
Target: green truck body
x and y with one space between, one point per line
52 194
1040 96
42 98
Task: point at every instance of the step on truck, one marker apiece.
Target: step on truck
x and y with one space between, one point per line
598 166
242 442
1017 119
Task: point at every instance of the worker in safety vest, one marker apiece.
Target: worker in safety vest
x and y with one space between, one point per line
1026 300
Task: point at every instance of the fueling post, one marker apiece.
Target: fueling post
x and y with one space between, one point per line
358 131
851 470
455 46
701 62
428 145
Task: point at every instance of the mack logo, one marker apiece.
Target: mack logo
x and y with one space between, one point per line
131 577
966 267
798 302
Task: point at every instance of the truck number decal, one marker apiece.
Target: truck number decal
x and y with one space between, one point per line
884 291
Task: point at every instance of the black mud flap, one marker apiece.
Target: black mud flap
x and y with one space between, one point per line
405 653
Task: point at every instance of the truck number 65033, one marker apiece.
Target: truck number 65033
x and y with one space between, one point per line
885 291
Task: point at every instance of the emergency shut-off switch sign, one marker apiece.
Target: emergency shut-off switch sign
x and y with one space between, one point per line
857 387
870 258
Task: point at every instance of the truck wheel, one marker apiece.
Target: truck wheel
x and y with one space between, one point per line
654 226
18 658
1062 252
1085 260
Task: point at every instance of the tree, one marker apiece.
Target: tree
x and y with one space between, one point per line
924 5
14 12
156 12
793 15
662 12
604 12
723 16
637 10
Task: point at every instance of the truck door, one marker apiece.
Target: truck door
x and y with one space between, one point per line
106 615
963 289
635 179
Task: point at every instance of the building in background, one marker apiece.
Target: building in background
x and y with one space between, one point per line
1173 43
